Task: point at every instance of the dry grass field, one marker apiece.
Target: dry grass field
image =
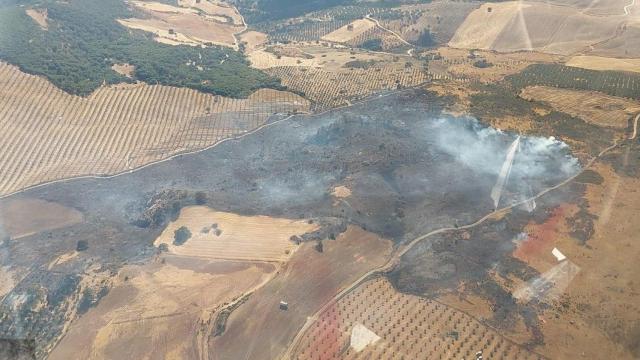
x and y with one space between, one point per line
26 216
407 327
220 235
604 63
156 311
594 107
260 330
116 128
191 24
529 25
350 31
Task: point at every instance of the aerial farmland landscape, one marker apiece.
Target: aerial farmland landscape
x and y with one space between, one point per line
319 179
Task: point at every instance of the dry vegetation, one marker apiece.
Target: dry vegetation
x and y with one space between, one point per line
604 63
116 128
192 23
530 25
593 107
157 310
409 327
220 235
259 329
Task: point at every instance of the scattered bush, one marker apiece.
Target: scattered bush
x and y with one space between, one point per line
181 236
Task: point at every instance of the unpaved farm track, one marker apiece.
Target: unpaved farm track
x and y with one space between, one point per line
395 258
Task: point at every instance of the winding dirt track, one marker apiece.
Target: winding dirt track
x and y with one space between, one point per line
626 8
395 258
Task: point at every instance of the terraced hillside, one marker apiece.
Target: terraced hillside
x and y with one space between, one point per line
49 134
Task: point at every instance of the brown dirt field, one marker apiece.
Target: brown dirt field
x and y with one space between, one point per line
124 69
61 136
528 25
341 192
259 238
593 107
409 327
40 16
350 31
604 63
155 311
24 217
260 330
315 56
186 23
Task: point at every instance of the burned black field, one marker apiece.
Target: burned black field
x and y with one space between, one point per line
410 170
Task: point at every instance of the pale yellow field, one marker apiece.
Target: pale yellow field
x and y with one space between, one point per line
593 107
482 27
530 25
173 24
400 326
116 128
260 238
604 63
350 31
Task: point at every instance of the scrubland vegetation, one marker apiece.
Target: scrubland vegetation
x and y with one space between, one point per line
83 41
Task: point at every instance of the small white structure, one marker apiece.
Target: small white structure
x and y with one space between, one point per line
284 305
560 256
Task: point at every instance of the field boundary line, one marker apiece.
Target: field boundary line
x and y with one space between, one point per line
196 151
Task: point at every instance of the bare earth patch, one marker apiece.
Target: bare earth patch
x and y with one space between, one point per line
24 217
124 69
40 16
220 235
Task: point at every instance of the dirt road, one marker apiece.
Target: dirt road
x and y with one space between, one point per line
395 258
626 8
